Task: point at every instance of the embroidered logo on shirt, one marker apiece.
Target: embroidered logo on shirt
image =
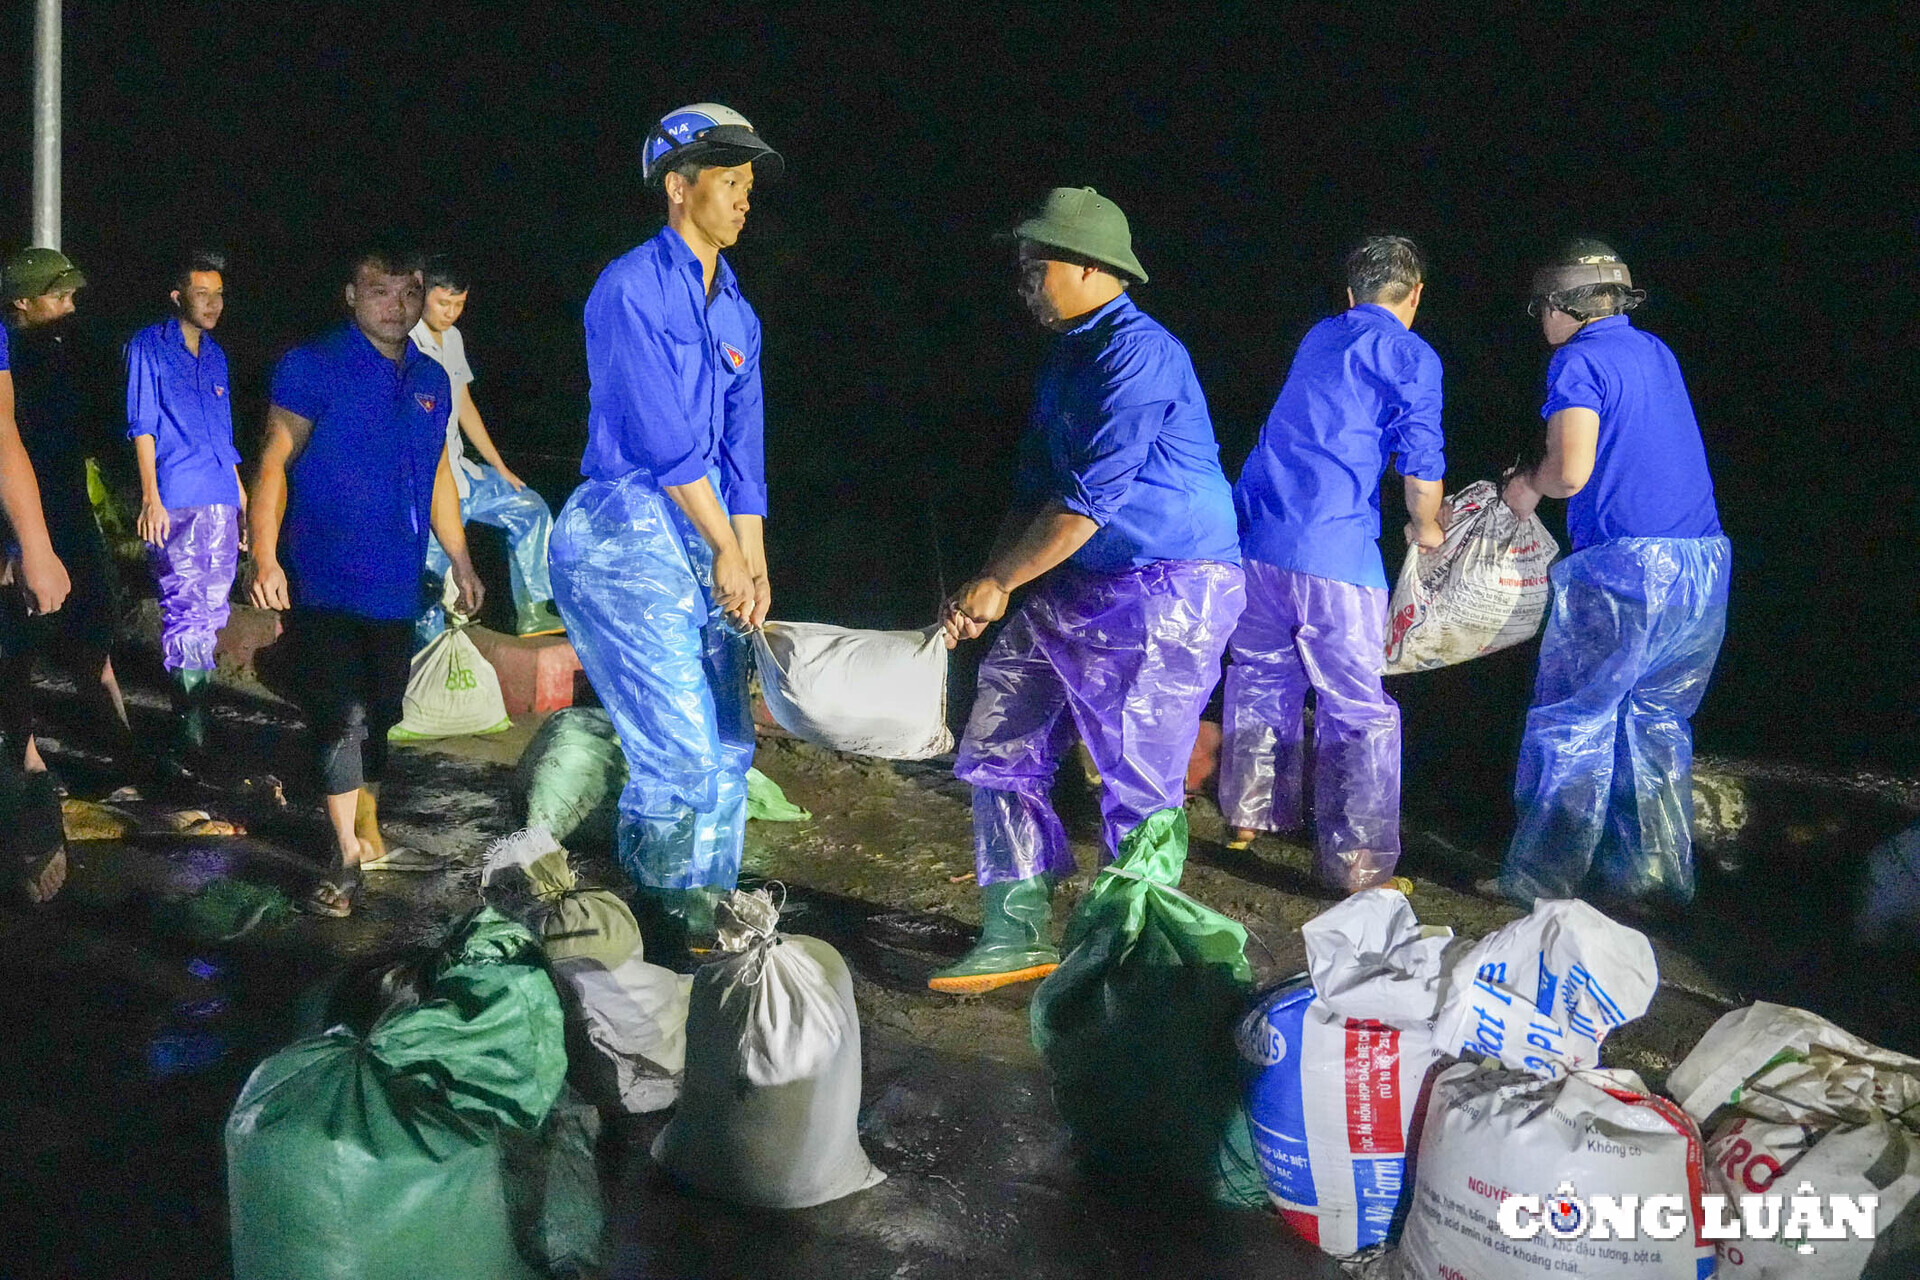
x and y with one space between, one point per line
734 354
219 390
426 402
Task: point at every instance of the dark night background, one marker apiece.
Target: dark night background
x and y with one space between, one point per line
1757 174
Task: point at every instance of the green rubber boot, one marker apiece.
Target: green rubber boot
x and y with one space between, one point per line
187 742
538 619
1016 942
674 921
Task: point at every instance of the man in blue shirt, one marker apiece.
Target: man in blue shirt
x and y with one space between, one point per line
1639 608
1121 506
659 555
1363 391
180 419
356 458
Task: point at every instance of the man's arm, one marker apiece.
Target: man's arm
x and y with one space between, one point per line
475 429
154 523
750 533
46 581
1573 438
1045 542
444 515
1426 509
733 586
287 435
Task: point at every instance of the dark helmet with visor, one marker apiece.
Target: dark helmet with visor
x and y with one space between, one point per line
1581 272
710 135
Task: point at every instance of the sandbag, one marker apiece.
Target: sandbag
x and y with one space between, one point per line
1541 993
769 1109
1489 1133
1136 1026
451 690
874 693
377 1155
1795 1099
1484 589
553 1189
627 1018
1335 1067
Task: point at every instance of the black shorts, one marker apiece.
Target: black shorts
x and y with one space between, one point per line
349 674
91 613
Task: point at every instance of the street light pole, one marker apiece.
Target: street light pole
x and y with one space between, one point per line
46 124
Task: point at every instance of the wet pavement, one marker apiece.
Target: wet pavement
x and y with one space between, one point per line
130 1029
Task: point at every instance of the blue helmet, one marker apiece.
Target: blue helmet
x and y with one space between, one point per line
710 134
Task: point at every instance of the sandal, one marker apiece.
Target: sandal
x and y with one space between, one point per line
333 896
400 857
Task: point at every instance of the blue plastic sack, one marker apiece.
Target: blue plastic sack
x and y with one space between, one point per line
1605 777
633 581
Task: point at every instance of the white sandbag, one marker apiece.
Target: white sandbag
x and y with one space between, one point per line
1490 1133
635 1020
1335 1067
781 1009
873 693
1542 992
1803 1102
1485 588
451 690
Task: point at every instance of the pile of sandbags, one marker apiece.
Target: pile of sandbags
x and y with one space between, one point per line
769 1113
629 1016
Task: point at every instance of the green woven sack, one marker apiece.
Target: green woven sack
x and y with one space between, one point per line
379 1156
1136 1025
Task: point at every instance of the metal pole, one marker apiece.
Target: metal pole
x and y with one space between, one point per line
46 123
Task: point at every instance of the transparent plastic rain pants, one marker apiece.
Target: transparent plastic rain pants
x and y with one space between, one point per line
1305 632
529 528
1127 660
193 570
1605 777
633 581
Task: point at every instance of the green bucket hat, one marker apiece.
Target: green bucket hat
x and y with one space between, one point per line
1084 222
32 272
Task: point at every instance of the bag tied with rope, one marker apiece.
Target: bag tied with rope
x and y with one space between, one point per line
769 1109
1137 1024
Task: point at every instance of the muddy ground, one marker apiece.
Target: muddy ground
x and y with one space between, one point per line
127 1036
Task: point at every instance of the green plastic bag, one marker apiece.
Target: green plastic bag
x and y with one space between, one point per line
379 1156
1136 1025
573 771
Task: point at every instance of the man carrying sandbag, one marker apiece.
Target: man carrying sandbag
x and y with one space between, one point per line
1121 504
659 554
1639 608
1363 391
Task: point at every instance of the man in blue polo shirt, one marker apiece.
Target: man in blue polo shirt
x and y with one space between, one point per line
1363 391
1121 508
356 458
659 555
180 419
1639 608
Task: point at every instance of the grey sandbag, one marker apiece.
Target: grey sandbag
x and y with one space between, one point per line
571 775
780 1008
553 1188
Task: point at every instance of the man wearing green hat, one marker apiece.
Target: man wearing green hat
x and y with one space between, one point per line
48 405
1122 515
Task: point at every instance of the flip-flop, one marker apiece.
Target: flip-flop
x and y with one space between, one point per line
400 857
345 883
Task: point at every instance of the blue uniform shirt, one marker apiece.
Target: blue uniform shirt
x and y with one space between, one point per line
1120 434
185 403
5 361
1363 390
675 381
360 493
1650 477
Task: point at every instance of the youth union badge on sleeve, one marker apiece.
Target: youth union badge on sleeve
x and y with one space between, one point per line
735 356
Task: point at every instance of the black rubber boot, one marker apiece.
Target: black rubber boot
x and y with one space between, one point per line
673 922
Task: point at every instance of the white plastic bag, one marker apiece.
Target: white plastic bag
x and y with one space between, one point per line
1807 1103
1336 1067
1491 1133
1486 587
451 690
873 693
1542 992
793 1141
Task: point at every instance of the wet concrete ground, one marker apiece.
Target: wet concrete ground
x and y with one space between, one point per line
127 1037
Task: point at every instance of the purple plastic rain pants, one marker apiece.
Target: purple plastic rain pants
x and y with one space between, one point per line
1128 660
1301 632
194 571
